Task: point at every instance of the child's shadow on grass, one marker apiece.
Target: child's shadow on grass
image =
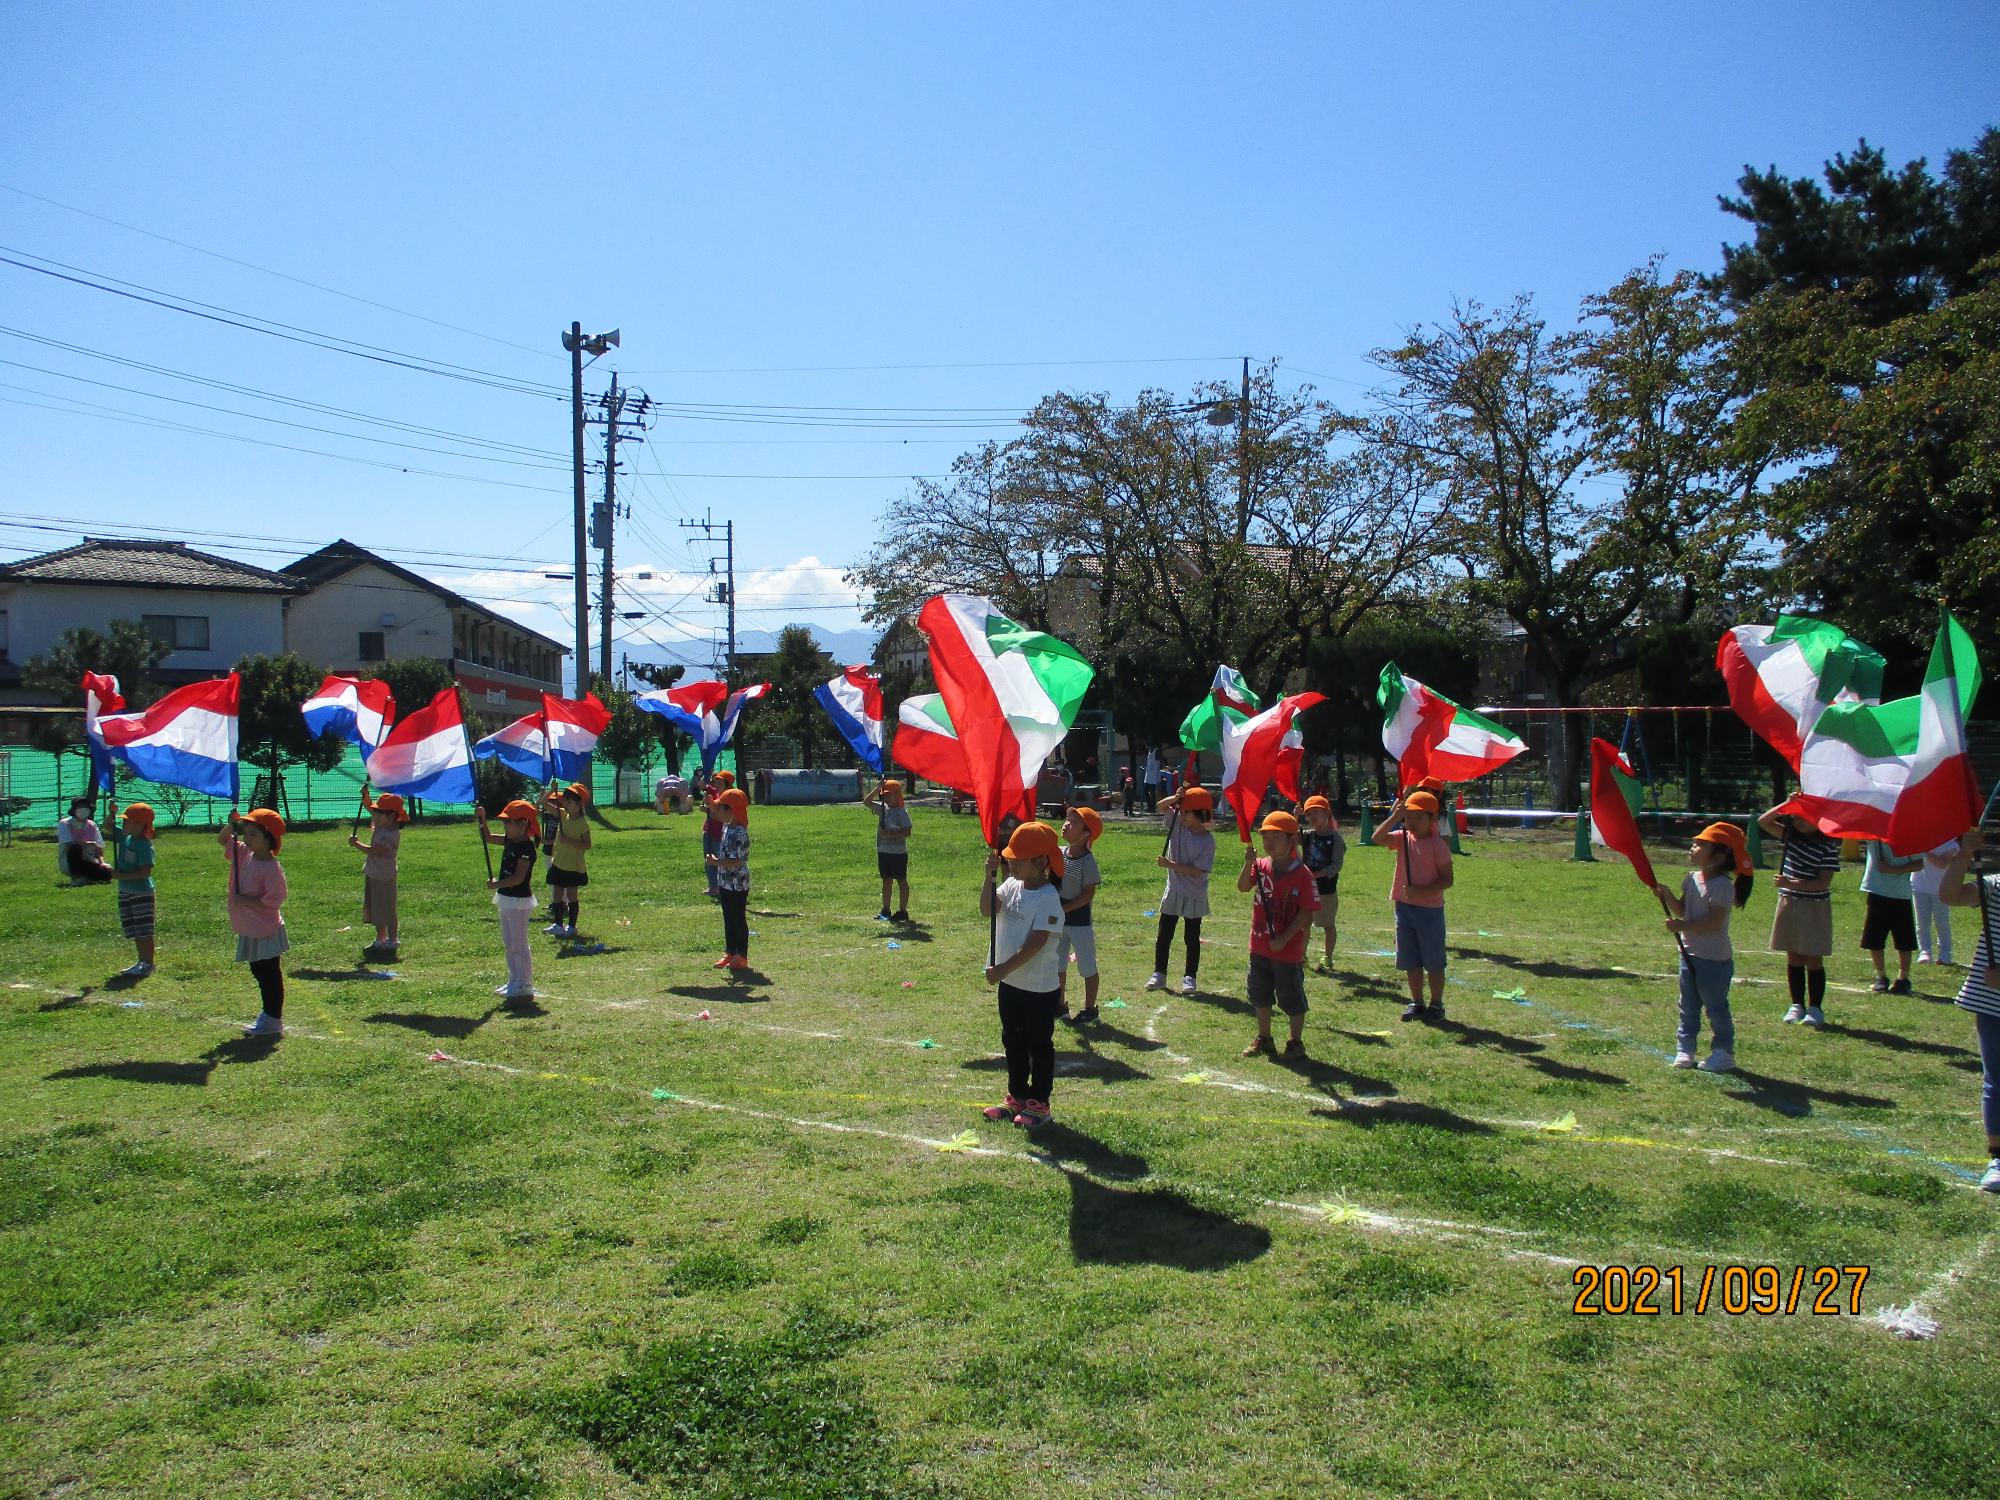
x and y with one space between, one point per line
1327 1077
1069 1065
342 976
1480 1036
1113 1226
1571 1073
1403 1112
591 949
1362 1038
1235 1005
1543 968
1364 986
733 994
1097 1032
185 1074
1897 1043
905 932
455 1027
1788 1098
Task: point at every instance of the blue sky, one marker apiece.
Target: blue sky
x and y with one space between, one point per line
774 202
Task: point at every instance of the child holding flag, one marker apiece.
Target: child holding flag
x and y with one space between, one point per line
1028 916
892 846
568 852
1717 882
711 824
386 818
1324 850
256 909
514 891
1802 929
731 864
132 863
1189 856
1980 993
1423 875
1892 914
1287 897
1080 879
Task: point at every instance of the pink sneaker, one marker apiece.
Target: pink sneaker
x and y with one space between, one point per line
1005 1111
1033 1116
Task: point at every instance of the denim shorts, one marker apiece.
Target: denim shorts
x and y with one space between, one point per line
1419 938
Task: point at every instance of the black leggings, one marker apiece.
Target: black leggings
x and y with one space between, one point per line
1163 945
735 922
563 911
1028 1037
270 978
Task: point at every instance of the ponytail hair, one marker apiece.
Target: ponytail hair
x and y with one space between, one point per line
1744 883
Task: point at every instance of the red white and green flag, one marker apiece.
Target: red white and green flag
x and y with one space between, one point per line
1898 771
927 744
1614 808
1229 701
1260 750
1782 677
1427 734
1011 692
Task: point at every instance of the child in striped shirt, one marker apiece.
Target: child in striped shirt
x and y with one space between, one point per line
1980 993
1802 929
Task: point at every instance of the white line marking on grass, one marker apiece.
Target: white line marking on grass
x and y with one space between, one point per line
1917 1320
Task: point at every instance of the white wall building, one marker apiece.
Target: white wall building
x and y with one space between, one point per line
211 611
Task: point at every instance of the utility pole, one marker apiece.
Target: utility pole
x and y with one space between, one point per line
1243 451
604 520
578 344
723 593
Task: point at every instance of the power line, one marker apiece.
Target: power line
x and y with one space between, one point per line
168 239
270 327
990 364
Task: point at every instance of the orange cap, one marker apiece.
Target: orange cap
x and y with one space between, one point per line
736 801
1090 818
723 778
1731 838
1431 784
1197 799
271 823
140 813
1278 821
390 802
891 788
1035 841
524 812
1318 802
1421 802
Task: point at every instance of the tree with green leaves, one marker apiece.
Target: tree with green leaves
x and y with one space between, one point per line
414 681
270 729
796 668
123 650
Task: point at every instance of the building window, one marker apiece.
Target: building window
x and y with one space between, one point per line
177 632
371 646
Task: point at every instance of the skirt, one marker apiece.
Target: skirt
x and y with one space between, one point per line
1174 904
256 950
378 900
135 912
567 877
1802 927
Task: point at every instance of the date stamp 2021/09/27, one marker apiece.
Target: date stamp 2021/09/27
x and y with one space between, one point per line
1761 1291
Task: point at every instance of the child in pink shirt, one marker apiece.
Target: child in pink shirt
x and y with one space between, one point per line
256 909
1423 875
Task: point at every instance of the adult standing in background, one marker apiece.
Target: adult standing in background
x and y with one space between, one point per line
1149 780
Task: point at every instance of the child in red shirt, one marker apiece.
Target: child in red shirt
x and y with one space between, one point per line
1287 897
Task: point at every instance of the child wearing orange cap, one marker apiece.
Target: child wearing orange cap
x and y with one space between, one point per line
1028 921
514 891
1423 875
1324 849
567 858
711 824
132 863
731 864
1080 879
256 909
1190 855
386 817
1718 881
1287 897
892 846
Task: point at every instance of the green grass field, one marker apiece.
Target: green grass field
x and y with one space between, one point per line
604 1247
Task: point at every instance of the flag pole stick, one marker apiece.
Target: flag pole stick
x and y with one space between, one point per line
465 731
1679 941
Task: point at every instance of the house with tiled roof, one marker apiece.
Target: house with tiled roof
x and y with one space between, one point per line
209 611
355 610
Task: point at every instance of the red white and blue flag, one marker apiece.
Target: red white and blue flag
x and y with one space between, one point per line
359 710
853 700
522 746
100 696
426 755
186 739
706 710
571 726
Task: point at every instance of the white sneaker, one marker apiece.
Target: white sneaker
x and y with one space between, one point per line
1187 984
1923 958
1683 1059
1991 1181
1813 1016
266 1024
554 929
139 971
570 932
1157 982
1795 1015
1719 1062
